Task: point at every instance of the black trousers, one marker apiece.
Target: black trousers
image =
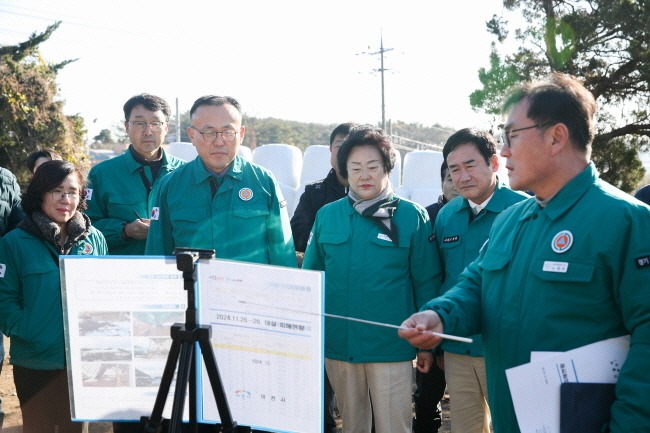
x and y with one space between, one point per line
429 392
44 401
328 416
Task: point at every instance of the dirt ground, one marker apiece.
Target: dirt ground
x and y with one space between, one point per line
13 422
13 419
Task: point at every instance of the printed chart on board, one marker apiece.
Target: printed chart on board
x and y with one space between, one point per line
267 335
117 317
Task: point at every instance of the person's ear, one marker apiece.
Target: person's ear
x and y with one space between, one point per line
493 162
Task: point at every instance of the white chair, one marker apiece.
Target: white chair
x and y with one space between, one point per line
315 164
246 153
502 172
283 160
289 195
296 200
425 196
187 151
421 169
183 150
396 175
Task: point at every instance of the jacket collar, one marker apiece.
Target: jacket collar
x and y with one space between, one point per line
201 173
496 204
134 165
333 181
568 196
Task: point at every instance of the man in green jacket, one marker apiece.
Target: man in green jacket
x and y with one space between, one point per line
119 188
563 270
460 229
219 200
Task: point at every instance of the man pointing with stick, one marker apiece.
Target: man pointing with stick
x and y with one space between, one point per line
550 278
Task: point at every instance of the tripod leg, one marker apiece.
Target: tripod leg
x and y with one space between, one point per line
217 386
182 378
163 391
193 394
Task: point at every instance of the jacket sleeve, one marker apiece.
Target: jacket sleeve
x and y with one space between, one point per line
421 262
98 212
631 411
279 238
12 197
314 258
159 238
303 220
11 310
460 307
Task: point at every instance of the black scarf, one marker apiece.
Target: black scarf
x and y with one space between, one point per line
41 226
379 209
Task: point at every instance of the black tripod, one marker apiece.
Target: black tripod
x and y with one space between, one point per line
184 339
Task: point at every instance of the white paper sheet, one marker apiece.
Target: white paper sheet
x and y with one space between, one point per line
117 316
273 352
535 387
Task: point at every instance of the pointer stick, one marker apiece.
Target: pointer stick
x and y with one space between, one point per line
354 319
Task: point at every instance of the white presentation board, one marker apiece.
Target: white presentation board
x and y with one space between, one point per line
267 329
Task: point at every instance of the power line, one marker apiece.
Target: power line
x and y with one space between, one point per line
381 70
74 21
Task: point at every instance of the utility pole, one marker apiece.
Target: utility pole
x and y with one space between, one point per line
381 70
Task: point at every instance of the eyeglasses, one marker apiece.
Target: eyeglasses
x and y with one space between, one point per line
58 194
210 135
138 124
505 134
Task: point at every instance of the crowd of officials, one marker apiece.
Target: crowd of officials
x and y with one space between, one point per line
519 268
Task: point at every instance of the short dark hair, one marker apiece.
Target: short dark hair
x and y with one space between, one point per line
342 129
443 170
560 98
366 135
484 142
150 102
216 101
40 153
643 194
49 176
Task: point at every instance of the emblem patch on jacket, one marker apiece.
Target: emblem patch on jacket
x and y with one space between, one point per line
155 212
450 239
89 194
86 249
641 262
245 194
562 241
3 268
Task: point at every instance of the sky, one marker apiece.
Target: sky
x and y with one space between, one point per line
295 60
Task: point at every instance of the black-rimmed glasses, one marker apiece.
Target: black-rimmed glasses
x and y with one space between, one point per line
58 194
505 134
210 135
154 126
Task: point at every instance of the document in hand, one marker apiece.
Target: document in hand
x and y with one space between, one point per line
535 387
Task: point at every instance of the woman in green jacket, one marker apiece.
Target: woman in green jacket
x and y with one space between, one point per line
374 248
30 291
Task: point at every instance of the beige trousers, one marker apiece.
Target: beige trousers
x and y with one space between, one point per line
388 384
467 388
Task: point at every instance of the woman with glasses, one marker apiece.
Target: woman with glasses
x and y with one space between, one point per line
378 262
30 291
